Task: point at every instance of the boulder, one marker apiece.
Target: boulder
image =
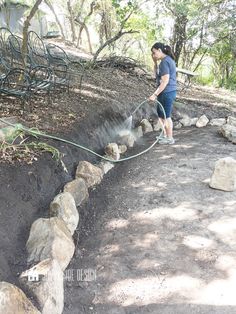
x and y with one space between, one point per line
106 166
78 189
202 121
50 238
231 120
138 132
112 151
146 126
229 131
122 149
14 301
126 138
224 175
44 282
63 206
217 122
91 174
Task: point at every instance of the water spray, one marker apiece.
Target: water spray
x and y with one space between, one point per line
37 133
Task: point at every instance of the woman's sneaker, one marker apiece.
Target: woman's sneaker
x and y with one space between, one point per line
167 140
160 137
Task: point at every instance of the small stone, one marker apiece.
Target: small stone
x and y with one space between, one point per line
224 176
229 131
202 121
91 174
217 122
186 121
44 281
50 238
78 189
14 301
146 126
177 126
122 149
112 150
193 121
63 206
106 166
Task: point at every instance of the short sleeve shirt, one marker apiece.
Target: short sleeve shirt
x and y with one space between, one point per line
167 66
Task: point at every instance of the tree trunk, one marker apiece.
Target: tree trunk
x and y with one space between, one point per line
72 22
26 27
49 4
179 36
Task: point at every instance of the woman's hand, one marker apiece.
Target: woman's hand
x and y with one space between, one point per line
153 97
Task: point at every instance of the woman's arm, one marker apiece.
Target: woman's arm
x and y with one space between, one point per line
164 81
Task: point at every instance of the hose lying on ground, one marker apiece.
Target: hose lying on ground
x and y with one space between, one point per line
44 135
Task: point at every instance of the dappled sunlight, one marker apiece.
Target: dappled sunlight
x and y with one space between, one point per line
197 242
117 224
152 289
225 228
218 292
92 94
146 241
183 211
99 88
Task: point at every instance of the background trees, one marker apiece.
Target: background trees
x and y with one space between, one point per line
202 32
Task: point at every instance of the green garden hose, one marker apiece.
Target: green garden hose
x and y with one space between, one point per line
38 133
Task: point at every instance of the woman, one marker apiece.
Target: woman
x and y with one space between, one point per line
166 87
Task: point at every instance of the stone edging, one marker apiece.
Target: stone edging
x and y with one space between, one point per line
50 245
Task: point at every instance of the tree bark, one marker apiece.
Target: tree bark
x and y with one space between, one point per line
26 27
71 19
110 41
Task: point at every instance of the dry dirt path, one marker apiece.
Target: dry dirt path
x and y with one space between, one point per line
159 239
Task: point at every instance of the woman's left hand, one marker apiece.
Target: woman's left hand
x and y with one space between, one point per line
153 97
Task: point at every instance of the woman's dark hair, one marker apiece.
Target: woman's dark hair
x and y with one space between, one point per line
165 49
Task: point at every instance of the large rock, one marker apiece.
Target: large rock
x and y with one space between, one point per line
202 121
44 282
78 189
146 126
63 206
229 131
91 174
126 138
138 132
217 122
14 301
50 238
224 176
112 151
231 120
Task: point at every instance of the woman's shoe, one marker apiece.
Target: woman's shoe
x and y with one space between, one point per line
167 140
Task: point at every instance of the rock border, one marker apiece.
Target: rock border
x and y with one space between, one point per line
50 246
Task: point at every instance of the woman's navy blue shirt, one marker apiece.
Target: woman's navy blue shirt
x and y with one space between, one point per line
167 66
